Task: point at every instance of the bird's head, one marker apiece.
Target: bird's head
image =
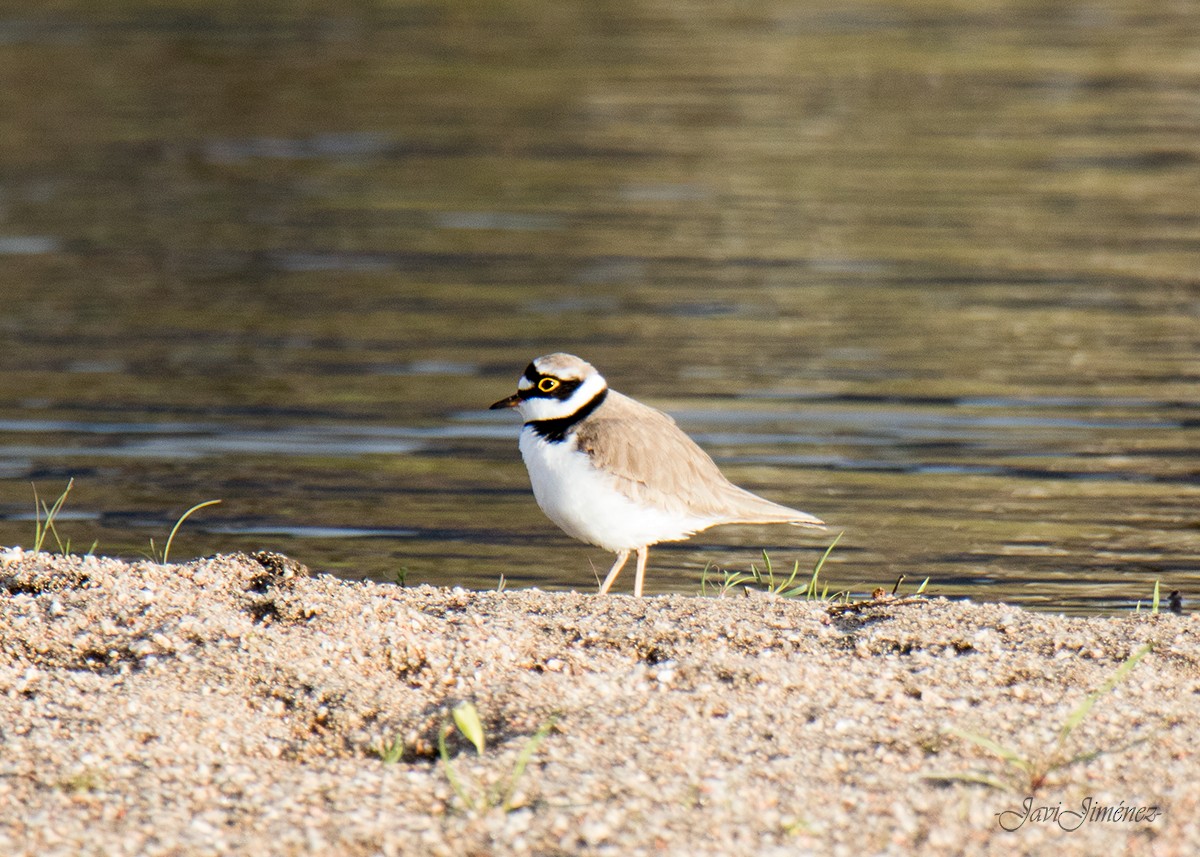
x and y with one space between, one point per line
554 386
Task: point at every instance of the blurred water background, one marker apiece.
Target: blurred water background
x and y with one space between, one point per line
928 270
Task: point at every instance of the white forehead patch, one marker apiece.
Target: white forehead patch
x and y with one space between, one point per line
524 383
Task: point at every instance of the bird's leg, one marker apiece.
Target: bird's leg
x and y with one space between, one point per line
642 555
622 556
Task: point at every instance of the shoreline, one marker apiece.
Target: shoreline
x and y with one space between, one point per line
236 705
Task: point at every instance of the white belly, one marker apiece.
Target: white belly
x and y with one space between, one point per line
585 503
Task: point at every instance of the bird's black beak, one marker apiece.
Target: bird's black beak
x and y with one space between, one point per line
511 402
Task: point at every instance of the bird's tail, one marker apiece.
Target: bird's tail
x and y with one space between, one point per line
758 510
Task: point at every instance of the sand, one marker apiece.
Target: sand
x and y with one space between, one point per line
236 705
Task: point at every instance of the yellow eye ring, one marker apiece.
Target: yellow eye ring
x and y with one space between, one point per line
546 385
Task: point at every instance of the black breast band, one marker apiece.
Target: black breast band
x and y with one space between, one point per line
556 430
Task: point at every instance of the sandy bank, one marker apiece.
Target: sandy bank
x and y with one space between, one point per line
228 706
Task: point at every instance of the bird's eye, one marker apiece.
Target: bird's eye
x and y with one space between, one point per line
546 385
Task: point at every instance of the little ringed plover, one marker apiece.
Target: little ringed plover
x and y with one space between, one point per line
621 475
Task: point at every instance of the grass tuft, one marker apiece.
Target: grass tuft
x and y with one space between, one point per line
729 580
392 752
476 797
813 590
44 526
1027 774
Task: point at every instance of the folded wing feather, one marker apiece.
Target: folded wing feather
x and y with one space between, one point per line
654 463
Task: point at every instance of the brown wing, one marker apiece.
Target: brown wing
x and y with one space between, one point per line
655 463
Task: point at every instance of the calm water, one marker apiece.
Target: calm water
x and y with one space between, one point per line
930 273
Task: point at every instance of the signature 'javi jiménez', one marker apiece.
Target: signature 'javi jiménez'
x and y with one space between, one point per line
1070 819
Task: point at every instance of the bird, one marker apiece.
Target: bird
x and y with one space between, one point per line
620 475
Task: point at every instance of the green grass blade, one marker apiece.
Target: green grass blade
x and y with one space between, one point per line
392 753
974 777
1089 755
1154 601
812 584
787 584
1079 714
179 523
828 551
738 579
466 718
523 760
451 775
37 521
43 528
1010 756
